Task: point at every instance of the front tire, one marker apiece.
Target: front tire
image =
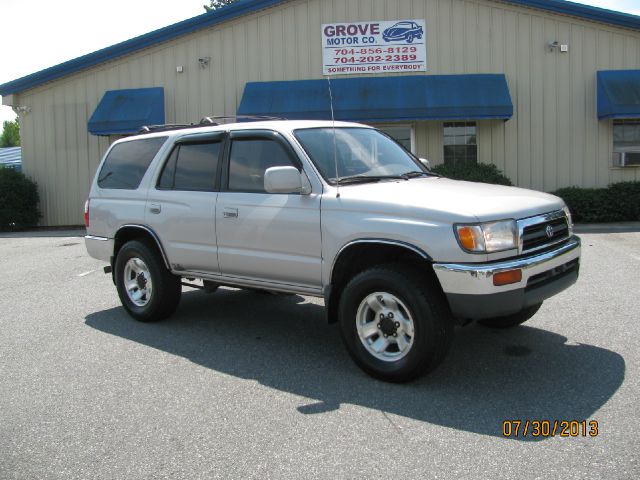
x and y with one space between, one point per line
394 322
147 290
513 320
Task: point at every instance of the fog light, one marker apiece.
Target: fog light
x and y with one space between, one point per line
505 278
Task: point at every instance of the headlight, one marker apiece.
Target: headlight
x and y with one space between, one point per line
569 219
488 237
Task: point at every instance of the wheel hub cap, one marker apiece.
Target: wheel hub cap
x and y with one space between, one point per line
385 326
141 280
137 281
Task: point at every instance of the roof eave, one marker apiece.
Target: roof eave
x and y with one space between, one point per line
245 7
224 14
578 10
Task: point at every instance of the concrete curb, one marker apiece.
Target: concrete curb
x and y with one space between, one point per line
619 227
39 233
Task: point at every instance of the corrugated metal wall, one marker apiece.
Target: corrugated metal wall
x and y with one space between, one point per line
553 140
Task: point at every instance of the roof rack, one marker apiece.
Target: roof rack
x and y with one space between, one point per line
162 128
205 122
247 118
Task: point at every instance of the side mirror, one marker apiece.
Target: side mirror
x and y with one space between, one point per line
282 180
426 163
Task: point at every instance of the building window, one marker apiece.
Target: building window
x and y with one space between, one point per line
626 143
403 134
460 145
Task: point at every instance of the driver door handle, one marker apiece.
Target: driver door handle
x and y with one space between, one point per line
230 212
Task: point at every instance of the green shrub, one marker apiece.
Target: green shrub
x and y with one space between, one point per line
626 197
18 200
619 202
477 172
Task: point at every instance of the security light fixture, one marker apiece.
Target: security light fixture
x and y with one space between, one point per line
22 110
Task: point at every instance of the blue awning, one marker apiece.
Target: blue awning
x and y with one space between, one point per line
383 99
125 111
619 94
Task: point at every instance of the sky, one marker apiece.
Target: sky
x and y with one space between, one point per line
35 35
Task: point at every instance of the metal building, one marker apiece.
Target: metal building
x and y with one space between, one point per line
11 157
547 90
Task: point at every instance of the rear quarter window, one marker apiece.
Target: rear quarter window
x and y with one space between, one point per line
127 163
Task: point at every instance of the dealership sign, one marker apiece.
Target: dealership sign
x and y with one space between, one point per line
374 47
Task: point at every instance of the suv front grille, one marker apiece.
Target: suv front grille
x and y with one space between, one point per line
540 232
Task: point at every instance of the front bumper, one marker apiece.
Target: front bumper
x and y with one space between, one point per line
99 247
471 293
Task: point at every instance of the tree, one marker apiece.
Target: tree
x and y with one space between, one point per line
215 4
10 134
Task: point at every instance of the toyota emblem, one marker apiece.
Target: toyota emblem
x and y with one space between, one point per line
549 231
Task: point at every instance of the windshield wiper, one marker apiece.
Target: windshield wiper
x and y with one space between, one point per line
368 178
415 173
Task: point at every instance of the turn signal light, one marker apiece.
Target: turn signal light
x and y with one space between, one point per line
505 278
469 237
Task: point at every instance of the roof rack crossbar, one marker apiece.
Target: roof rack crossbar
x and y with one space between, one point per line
211 119
162 128
204 122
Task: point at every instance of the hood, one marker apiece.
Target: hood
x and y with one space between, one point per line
446 199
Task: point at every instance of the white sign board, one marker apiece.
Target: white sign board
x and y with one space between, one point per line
374 47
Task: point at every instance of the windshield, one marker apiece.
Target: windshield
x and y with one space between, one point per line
362 153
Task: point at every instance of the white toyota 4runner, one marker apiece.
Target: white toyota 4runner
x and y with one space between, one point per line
338 211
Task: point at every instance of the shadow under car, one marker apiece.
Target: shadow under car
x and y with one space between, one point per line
284 342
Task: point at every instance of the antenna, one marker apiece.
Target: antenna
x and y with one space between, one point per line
335 146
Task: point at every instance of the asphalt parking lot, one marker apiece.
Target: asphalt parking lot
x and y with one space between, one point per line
246 385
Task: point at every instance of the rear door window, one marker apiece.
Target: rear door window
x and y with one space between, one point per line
192 166
127 163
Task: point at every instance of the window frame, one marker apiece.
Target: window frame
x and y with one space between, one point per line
257 134
217 137
477 144
614 151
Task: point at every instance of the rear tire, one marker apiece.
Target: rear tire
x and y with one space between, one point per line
148 291
511 320
418 331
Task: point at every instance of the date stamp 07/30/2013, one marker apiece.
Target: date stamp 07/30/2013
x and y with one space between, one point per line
550 428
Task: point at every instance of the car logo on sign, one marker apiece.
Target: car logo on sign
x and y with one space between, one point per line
549 231
405 30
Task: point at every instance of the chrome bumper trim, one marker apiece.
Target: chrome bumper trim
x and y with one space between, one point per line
477 279
99 247
94 237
